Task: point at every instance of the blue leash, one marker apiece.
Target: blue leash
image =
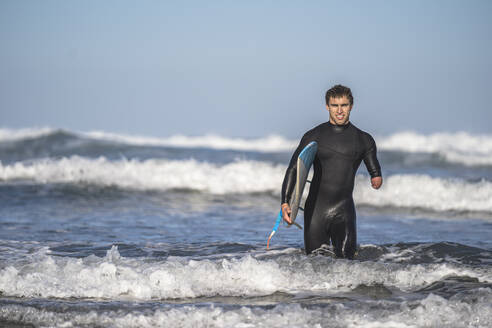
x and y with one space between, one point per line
277 224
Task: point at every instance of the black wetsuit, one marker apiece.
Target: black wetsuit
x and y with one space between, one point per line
329 212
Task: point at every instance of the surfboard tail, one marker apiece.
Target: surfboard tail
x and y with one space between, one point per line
269 238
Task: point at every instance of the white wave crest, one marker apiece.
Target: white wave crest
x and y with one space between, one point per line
272 143
116 277
460 147
410 191
19 134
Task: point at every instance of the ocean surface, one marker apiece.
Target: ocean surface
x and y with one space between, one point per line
108 230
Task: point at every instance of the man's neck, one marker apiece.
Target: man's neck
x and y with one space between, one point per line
333 122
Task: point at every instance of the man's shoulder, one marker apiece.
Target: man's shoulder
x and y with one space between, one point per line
366 139
362 133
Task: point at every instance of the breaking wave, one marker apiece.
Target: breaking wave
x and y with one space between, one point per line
152 174
246 176
460 147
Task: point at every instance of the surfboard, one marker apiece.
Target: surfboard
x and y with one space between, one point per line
304 162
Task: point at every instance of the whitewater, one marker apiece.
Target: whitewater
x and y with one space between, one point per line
101 229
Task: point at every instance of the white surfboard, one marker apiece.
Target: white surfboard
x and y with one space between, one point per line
304 162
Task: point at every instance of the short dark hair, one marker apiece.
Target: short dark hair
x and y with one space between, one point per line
339 91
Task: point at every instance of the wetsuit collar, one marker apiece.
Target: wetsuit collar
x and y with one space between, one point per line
339 128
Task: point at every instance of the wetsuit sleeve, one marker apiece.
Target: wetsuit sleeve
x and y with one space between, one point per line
291 173
370 158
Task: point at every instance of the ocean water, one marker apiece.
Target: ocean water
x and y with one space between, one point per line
107 230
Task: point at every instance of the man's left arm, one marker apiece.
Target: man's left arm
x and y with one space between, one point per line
372 163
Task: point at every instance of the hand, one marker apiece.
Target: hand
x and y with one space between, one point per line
376 182
286 213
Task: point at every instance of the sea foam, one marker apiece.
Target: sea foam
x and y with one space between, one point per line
119 278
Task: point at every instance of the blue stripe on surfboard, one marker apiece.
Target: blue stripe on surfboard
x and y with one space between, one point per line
308 153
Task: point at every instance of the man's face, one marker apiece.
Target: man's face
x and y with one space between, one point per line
339 109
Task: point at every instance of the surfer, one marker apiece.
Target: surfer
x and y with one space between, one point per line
329 212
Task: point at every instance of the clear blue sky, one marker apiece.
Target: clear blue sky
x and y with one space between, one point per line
244 68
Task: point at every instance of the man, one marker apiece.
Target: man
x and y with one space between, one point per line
329 212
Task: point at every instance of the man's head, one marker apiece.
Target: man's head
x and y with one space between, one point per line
339 103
